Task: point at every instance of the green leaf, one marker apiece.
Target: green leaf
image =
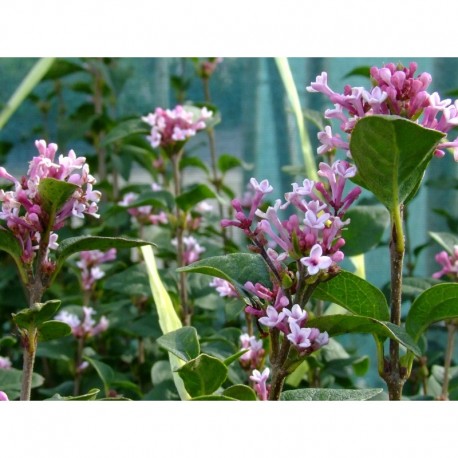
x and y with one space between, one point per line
53 329
182 342
10 244
125 129
234 357
440 302
368 224
188 199
329 394
104 371
213 397
193 161
11 379
363 70
168 318
54 193
91 395
391 155
236 268
354 294
342 324
228 162
240 392
445 240
61 68
87 242
36 315
203 375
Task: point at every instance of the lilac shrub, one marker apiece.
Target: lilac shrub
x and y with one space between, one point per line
396 91
311 240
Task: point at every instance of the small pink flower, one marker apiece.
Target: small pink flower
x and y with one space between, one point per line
316 262
260 380
273 318
3 396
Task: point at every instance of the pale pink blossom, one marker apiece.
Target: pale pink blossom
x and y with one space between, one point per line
316 262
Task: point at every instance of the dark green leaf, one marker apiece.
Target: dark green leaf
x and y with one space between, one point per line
126 128
445 240
414 286
10 382
368 224
193 161
240 392
329 394
61 68
36 315
54 193
203 375
91 395
183 343
342 324
10 244
227 162
237 268
188 199
391 154
104 371
363 70
354 294
235 357
86 242
53 329
437 303
213 397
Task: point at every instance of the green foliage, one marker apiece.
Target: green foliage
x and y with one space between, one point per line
327 394
203 375
91 395
355 294
435 304
10 381
445 240
342 324
237 268
182 342
54 193
368 224
389 164
190 198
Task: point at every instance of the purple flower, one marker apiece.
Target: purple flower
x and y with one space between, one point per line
273 318
169 127
192 249
260 380
296 314
223 287
253 357
3 396
87 327
298 336
89 264
448 262
5 362
316 262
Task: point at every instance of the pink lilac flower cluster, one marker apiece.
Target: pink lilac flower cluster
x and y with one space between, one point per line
449 263
169 127
3 396
5 362
87 327
396 91
254 356
260 383
314 238
223 287
22 208
90 262
144 214
207 67
192 249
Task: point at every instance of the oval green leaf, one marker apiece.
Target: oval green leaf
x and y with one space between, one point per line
440 302
355 294
445 240
53 329
342 324
182 342
236 268
391 154
329 394
240 392
203 375
368 224
190 198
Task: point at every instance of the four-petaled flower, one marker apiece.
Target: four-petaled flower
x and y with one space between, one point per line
316 262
